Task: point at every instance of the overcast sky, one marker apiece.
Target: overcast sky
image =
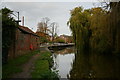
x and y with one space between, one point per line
57 12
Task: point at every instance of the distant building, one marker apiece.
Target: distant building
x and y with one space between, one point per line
25 41
42 34
68 39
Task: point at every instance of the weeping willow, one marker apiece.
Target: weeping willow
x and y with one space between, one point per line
79 25
114 26
96 29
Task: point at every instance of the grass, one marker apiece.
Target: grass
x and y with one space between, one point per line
42 67
14 65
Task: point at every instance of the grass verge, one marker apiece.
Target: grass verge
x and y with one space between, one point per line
14 65
42 67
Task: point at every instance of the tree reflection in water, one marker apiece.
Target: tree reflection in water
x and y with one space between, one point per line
95 66
86 65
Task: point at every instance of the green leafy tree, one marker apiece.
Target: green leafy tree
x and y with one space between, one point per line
96 28
99 38
8 32
114 26
79 25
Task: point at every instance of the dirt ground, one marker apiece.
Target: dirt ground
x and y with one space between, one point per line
28 67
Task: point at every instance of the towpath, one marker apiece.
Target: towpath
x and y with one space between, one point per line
28 66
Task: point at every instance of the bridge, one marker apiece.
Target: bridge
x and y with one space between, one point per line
56 45
60 46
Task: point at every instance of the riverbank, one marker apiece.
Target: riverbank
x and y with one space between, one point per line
42 68
16 65
34 65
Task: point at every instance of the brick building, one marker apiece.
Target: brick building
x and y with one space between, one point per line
25 41
68 39
43 35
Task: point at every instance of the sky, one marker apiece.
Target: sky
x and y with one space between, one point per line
59 12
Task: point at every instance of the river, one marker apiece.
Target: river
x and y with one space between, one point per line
78 66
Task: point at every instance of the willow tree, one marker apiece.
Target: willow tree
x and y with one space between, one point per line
114 26
105 29
79 25
99 38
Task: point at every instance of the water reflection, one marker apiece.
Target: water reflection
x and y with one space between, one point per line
84 65
63 61
95 66
81 67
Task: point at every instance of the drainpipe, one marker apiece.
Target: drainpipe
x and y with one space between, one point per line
23 21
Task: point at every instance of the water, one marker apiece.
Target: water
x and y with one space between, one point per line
63 61
82 65
96 66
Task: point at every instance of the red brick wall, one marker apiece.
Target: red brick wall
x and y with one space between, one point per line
22 44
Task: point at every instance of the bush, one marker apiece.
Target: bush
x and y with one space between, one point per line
60 40
43 40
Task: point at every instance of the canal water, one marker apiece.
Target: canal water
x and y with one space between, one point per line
83 65
63 60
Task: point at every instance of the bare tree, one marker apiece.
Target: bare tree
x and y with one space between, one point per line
43 25
40 27
45 22
54 29
47 28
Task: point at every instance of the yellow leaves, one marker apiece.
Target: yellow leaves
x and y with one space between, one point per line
76 11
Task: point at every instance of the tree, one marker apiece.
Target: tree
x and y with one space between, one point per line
79 25
54 28
101 33
8 32
114 26
99 38
43 25
48 28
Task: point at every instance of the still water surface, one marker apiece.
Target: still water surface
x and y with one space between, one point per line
63 60
78 66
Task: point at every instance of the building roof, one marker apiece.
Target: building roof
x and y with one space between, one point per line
26 30
64 35
42 34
